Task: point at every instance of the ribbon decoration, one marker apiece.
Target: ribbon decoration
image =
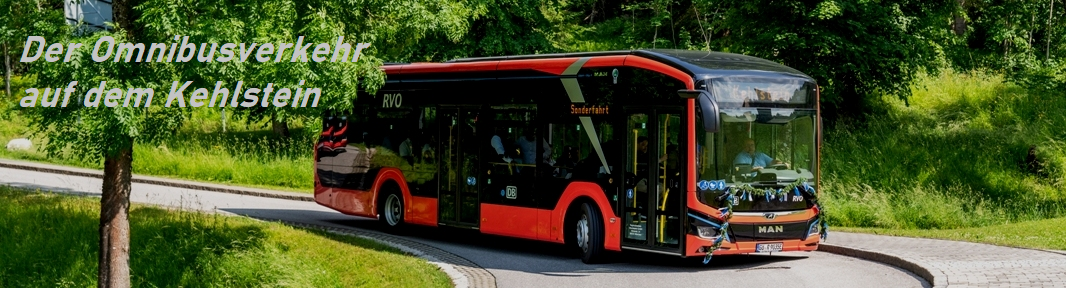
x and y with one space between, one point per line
747 191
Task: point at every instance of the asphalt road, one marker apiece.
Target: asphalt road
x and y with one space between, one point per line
521 263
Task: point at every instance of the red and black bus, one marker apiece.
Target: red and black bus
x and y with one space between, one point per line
602 151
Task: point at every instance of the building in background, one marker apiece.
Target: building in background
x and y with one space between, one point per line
90 15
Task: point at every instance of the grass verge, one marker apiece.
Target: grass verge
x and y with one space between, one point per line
1040 234
51 240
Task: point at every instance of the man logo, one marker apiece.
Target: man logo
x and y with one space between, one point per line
771 229
769 216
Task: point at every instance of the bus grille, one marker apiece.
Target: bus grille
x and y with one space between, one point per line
768 231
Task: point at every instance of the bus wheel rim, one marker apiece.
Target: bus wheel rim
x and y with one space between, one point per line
583 232
393 210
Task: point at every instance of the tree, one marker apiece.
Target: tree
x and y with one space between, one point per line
19 18
1010 36
853 48
390 26
92 133
508 27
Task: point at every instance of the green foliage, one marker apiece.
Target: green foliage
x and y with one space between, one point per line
97 131
253 158
390 26
853 48
21 18
1010 35
507 27
958 156
49 241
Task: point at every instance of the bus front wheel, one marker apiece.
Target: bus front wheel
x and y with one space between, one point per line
588 232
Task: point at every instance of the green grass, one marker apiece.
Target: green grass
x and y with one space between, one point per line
1041 234
955 157
52 240
247 154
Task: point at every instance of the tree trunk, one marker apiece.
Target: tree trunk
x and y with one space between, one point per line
114 220
122 14
115 204
7 71
959 23
280 128
1050 15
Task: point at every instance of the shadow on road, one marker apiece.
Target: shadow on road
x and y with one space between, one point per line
48 189
497 252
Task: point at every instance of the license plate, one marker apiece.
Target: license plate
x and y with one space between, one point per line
769 247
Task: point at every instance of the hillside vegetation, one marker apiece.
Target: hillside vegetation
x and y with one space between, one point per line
969 150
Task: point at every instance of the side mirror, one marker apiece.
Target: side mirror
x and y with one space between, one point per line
706 107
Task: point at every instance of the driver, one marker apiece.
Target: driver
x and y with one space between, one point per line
756 159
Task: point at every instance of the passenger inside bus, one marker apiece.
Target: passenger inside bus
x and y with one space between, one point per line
673 167
427 150
527 147
497 145
405 151
547 154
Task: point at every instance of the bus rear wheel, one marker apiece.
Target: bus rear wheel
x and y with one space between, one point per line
391 211
588 233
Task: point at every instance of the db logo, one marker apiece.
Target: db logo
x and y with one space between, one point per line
392 100
512 192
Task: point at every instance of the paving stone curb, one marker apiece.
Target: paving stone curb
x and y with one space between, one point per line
463 272
56 169
1054 251
935 277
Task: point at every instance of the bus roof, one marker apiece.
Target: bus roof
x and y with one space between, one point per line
696 63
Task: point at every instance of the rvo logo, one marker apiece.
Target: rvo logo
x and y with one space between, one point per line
392 100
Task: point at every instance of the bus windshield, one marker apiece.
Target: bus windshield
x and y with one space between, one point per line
766 136
759 146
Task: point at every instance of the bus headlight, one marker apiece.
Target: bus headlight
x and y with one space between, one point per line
815 229
707 232
704 227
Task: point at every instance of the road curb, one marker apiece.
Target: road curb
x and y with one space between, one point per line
1063 253
56 169
935 277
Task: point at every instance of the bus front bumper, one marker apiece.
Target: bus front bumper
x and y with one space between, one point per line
696 246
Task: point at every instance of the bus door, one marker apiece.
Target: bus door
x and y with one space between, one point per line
654 190
459 166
